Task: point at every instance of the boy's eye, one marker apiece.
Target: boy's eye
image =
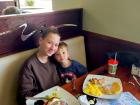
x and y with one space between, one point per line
57 54
56 45
63 52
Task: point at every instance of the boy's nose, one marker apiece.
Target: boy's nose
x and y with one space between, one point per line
61 56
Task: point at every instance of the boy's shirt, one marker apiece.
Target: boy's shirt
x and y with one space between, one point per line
74 70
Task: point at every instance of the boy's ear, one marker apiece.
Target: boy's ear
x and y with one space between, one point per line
69 56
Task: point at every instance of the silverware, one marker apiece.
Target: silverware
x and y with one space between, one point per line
136 80
131 83
36 98
74 84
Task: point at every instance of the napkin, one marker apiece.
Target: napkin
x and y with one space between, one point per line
83 100
126 98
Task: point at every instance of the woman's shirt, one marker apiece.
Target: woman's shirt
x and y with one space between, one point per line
36 77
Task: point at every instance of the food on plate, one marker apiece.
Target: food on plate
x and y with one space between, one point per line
52 95
52 99
39 102
93 89
55 101
97 81
114 88
97 87
91 100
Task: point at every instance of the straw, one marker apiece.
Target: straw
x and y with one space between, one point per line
115 56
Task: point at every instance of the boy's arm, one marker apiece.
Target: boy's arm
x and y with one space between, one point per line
81 69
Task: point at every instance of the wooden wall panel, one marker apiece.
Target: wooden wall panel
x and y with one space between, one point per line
98 45
11 28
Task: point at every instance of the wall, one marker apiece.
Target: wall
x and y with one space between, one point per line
66 4
116 18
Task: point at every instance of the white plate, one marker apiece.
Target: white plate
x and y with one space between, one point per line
63 95
108 80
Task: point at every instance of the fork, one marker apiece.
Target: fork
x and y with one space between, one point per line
36 98
74 84
136 80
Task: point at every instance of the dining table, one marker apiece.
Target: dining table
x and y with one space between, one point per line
129 84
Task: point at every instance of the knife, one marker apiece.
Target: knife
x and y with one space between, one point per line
36 98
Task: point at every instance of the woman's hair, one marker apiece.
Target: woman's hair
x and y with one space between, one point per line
45 31
10 10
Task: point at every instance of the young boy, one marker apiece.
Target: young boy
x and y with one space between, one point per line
68 69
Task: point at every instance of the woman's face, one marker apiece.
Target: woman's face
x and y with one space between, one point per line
49 44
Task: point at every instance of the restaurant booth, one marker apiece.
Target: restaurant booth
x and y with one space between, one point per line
19 35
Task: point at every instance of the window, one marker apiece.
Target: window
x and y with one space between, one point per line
35 5
6 0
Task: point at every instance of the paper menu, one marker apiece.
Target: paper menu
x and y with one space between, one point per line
126 98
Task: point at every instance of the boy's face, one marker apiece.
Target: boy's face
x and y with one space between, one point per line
62 55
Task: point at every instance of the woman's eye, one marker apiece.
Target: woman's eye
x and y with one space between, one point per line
56 45
63 52
49 42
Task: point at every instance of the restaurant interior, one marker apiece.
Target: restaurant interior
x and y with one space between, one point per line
97 32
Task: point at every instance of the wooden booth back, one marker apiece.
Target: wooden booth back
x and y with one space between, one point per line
19 37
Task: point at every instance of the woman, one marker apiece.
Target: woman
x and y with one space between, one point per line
39 72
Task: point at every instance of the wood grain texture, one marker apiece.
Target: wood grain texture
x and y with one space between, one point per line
10 32
4 4
98 45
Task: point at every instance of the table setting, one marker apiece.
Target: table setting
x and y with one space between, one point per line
98 87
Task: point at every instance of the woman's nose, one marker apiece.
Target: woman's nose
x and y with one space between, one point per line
53 47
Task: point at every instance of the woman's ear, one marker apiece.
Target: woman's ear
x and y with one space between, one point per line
40 41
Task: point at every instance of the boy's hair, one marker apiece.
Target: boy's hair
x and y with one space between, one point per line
10 10
46 31
63 44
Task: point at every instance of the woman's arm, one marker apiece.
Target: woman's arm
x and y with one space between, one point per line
27 84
